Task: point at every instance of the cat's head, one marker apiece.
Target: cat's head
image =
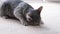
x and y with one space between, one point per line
34 15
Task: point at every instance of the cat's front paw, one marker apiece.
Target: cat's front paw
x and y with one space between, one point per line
24 23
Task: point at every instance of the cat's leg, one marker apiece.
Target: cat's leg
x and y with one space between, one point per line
21 18
24 22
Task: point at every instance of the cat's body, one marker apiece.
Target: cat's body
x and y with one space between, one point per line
8 7
22 11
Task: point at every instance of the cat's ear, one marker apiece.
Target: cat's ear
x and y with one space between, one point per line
40 9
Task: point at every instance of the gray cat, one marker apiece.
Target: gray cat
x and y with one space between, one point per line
24 12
